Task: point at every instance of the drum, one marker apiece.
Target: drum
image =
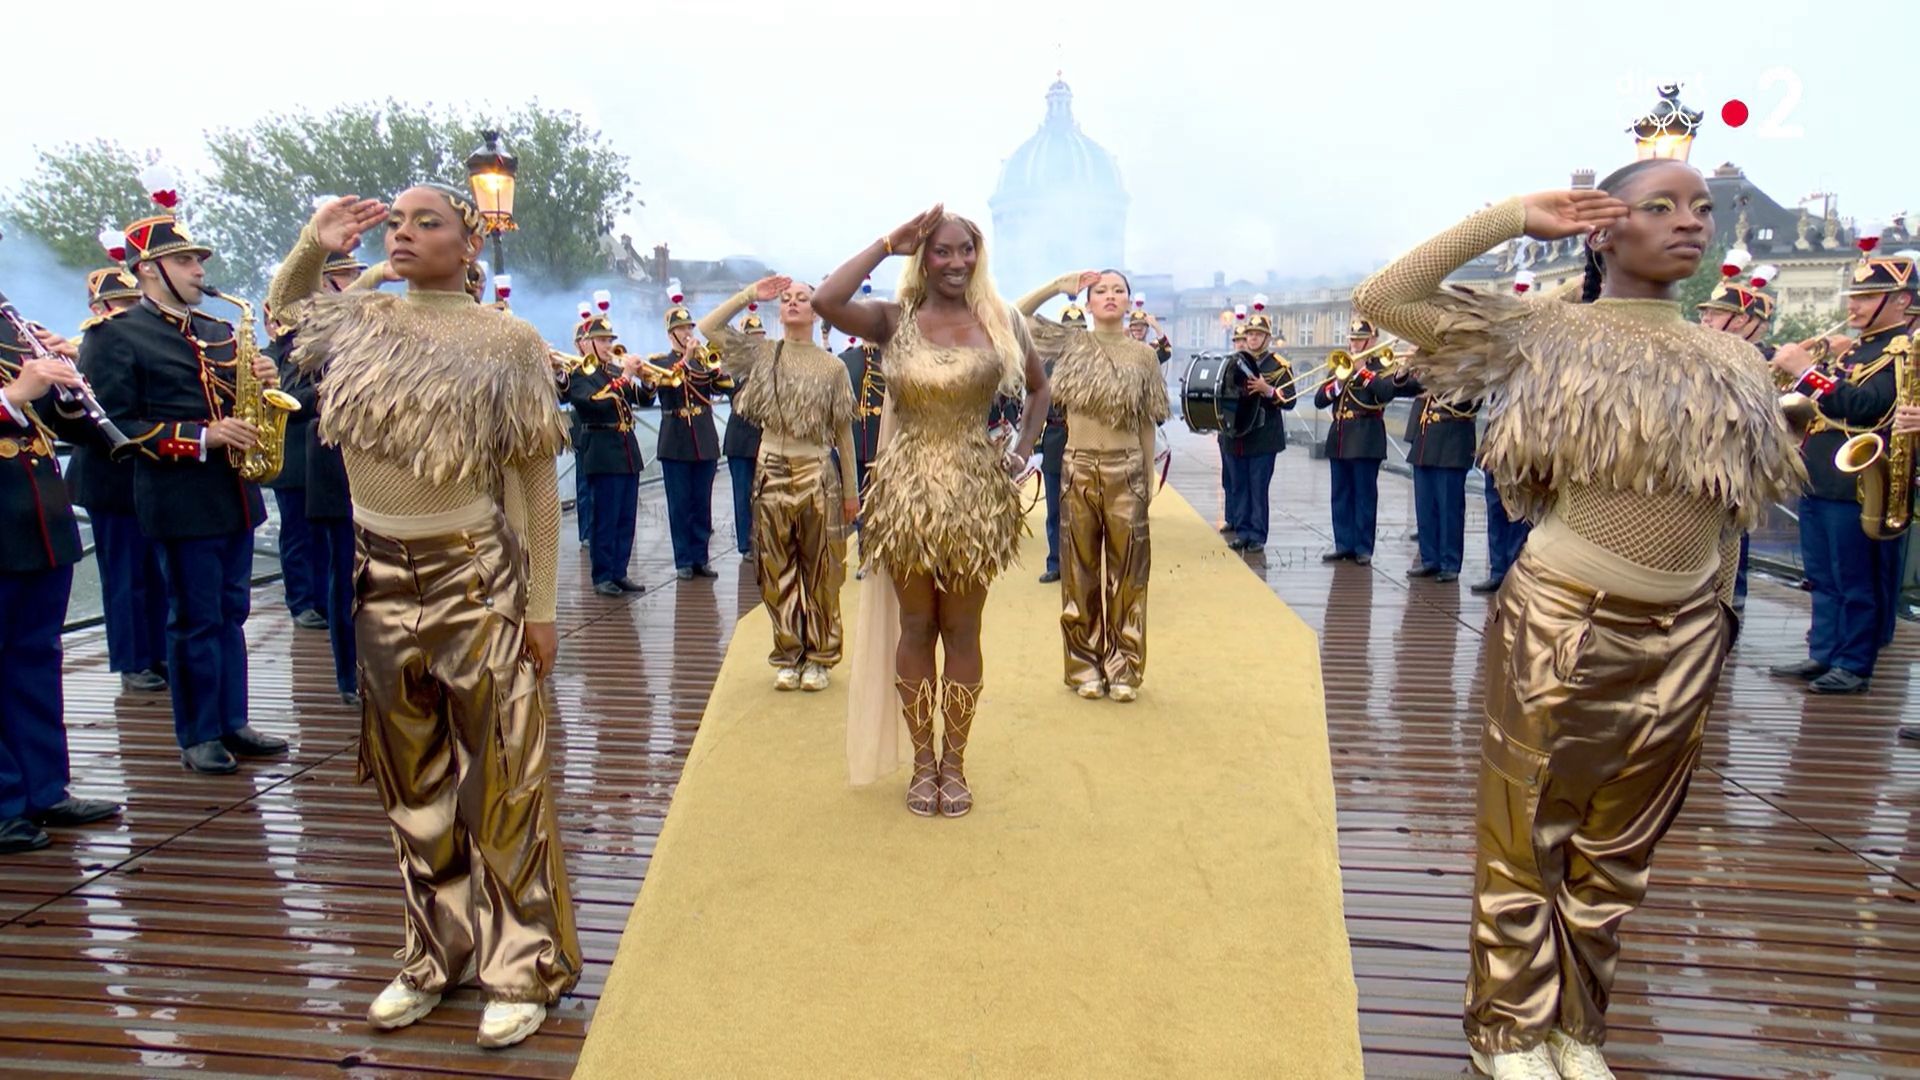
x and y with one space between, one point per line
1206 393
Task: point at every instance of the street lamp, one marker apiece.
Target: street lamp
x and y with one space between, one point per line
490 170
1666 131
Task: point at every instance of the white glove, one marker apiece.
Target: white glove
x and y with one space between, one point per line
1033 463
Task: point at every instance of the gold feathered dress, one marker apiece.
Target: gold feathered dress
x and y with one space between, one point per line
445 413
1641 445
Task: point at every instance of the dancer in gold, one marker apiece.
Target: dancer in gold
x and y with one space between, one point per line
942 514
1108 385
445 412
1642 445
798 394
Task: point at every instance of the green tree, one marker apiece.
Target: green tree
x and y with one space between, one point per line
74 190
570 185
1801 327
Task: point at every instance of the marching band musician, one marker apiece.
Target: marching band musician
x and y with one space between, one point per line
1229 477
1745 310
1263 383
740 442
1139 323
869 383
802 496
165 374
1356 445
1053 437
1856 578
689 448
39 543
1440 444
133 592
604 390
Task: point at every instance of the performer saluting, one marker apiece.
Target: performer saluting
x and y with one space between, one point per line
1053 437
1606 644
604 390
444 409
798 395
165 373
1356 445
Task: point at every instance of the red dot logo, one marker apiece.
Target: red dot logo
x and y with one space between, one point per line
1734 112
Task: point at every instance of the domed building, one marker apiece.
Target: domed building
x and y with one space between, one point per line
1059 205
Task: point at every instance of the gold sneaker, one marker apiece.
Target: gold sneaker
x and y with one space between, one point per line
1576 1060
786 679
399 1005
1534 1064
507 1022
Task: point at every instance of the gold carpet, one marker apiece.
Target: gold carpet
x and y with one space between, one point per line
1142 890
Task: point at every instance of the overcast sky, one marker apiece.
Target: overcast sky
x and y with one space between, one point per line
1306 138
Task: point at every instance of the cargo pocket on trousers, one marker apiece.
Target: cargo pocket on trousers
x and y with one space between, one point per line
1516 762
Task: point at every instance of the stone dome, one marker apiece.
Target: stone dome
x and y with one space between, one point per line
1059 157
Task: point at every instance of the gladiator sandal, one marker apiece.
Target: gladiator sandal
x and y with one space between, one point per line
917 702
959 701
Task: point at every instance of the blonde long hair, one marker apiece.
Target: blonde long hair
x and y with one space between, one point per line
982 299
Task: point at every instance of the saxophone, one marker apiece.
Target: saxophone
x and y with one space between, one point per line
1882 466
263 407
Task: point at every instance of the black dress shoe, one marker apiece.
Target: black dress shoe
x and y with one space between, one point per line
250 743
1423 571
142 682
703 570
350 698
1807 670
685 573
1482 588
19 834
1336 556
310 620
1049 577
1910 732
607 588
1363 560
627 584
1838 681
1445 577
209 757
71 811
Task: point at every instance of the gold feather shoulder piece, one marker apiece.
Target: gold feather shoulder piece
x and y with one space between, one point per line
449 390
801 392
1111 378
1620 394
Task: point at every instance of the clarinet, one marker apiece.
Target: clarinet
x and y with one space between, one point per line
83 395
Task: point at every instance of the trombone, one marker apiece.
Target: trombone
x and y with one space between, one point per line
1341 365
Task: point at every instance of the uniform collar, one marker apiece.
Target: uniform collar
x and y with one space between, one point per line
177 316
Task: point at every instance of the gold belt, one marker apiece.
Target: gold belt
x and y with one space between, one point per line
12 446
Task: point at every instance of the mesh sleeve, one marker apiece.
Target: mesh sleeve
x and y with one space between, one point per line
531 498
1399 296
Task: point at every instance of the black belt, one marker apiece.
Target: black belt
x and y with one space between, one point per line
606 427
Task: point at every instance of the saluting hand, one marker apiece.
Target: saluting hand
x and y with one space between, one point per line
1554 215
1075 282
770 287
338 224
906 239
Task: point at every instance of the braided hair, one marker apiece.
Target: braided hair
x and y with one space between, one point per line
462 202
1596 266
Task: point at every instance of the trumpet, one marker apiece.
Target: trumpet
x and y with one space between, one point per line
1799 409
1821 350
1341 365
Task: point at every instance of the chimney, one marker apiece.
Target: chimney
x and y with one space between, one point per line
659 262
1727 170
1583 179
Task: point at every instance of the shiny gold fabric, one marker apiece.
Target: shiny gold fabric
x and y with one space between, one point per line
1104 562
799 543
454 735
1595 711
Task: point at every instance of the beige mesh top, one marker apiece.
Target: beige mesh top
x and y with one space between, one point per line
443 409
1641 443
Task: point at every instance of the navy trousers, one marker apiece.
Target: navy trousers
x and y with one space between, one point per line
1740 575
1233 485
582 505
1356 503
616 498
33 731
300 572
1890 559
336 544
1440 511
1505 537
689 509
1844 568
1256 484
740 474
209 593
1051 483
133 594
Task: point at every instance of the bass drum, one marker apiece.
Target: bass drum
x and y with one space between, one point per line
1206 399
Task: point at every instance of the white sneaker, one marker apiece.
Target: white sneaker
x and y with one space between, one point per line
1122 692
813 677
399 1005
507 1022
1534 1064
786 679
1091 691
1576 1060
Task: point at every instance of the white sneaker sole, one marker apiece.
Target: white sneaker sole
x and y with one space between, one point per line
408 1018
518 1034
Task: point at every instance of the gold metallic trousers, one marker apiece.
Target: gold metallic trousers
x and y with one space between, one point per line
1596 706
1104 562
454 734
800 546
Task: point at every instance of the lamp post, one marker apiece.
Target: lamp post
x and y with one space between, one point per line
490 171
1666 131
